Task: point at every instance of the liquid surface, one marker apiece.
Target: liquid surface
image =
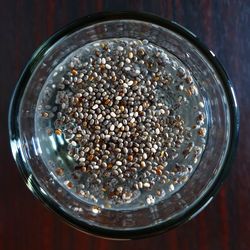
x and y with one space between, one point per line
121 123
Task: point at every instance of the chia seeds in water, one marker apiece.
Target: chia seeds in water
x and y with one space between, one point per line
121 123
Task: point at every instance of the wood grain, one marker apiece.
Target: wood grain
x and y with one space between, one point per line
224 26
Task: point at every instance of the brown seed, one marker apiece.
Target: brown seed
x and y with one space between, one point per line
189 79
122 108
130 157
202 132
70 184
143 164
58 131
160 167
74 176
106 47
60 171
107 101
84 124
49 132
45 114
102 67
158 171
146 104
91 157
200 118
189 91
74 72
97 53
141 52
109 166
159 192
83 169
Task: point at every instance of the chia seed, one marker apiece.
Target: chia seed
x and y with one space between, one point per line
125 133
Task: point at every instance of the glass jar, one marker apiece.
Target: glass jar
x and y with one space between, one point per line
214 165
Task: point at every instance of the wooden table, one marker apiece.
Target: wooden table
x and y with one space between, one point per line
225 27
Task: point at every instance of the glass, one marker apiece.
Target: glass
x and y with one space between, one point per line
223 127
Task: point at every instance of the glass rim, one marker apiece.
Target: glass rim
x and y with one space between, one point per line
194 208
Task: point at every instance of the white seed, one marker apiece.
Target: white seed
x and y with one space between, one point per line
120 48
130 55
127 60
137 72
132 120
96 210
201 104
171 187
118 98
95 106
136 149
120 189
108 66
112 127
127 68
103 60
153 150
150 200
118 163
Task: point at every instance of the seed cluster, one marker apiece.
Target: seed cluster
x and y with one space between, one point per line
120 132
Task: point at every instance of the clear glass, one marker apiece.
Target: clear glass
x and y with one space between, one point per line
222 129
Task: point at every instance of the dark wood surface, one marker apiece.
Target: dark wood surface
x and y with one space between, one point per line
224 26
